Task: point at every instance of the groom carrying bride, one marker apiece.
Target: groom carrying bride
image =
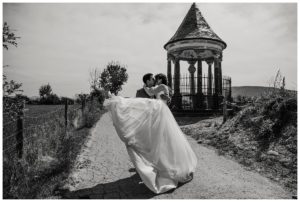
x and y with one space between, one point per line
150 82
157 147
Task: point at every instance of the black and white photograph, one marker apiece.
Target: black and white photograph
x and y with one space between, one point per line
149 100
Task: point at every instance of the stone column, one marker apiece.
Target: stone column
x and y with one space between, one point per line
220 74
216 76
220 81
169 73
192 70
199 77
209 85
177 95
200 97
177 77
216 80
220 77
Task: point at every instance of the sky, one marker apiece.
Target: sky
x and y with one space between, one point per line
62 42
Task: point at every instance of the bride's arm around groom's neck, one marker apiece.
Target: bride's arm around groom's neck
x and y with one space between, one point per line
156 89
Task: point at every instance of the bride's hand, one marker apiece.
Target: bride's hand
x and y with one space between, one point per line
165 97
163 87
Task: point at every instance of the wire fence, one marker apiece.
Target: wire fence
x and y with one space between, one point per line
39 143
201 93
21 130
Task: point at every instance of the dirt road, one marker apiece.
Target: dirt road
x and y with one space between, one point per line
103 170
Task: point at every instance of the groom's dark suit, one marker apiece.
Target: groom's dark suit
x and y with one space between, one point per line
142 93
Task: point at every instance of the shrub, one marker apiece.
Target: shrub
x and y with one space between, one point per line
268 117
81 98
12 107
100 96
51 99
64 99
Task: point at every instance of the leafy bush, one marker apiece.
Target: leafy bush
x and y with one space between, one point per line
100 96
64 99
12 107
81 98
268 116
51 99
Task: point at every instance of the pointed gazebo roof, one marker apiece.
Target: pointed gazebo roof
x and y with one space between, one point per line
194 26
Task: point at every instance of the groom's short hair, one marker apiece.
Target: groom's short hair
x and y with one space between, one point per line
147 77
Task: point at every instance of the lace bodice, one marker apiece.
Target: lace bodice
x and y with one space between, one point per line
157 95
157 90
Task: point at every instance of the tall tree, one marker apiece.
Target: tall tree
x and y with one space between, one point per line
113 77
45 90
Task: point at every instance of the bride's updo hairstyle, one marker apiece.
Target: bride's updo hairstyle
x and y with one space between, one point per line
163 78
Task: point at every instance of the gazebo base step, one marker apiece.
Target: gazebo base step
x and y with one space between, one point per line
197 113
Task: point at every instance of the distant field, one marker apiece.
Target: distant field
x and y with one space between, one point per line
38 110
250 90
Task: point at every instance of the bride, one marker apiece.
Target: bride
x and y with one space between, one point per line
155 143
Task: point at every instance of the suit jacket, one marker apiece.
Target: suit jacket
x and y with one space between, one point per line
142 93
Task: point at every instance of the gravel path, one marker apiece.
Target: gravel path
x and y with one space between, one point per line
103 170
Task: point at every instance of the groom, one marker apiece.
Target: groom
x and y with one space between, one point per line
149 81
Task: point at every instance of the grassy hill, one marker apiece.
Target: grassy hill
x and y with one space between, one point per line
261 136
249 91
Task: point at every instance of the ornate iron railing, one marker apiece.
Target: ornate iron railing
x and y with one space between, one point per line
200 97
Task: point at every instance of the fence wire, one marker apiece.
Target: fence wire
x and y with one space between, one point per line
33 123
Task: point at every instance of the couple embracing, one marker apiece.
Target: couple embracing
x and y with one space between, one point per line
149 82
155 143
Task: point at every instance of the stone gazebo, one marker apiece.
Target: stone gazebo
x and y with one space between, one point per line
195 42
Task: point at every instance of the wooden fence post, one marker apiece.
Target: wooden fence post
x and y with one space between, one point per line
20 128
83 103
229 94
66 115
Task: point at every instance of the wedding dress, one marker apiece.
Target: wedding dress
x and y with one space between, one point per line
155 143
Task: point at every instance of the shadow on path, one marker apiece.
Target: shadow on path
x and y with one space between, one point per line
127 188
